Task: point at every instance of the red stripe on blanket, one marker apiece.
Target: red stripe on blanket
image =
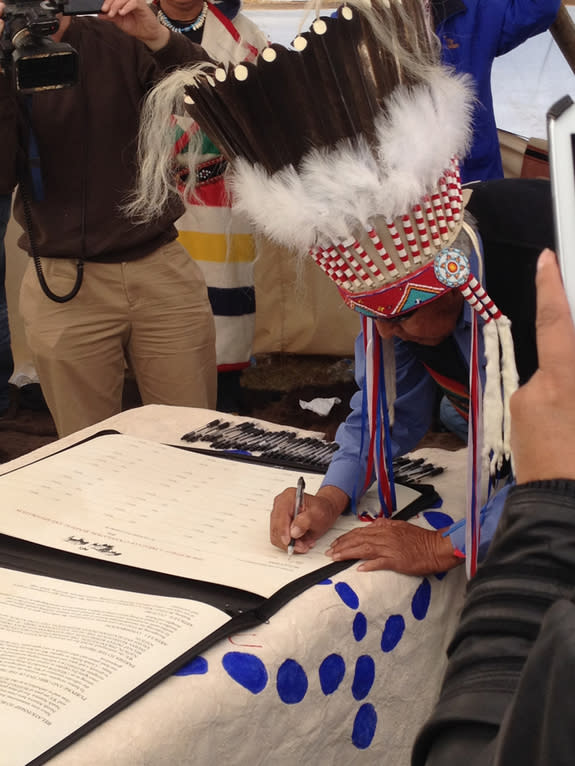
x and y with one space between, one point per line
212 193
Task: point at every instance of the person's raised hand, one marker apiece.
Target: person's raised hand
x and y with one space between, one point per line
318 514
543 410
397 546
136 18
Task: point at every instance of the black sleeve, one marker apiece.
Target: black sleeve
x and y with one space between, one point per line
513 654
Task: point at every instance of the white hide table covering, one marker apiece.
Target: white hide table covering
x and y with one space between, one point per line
345 673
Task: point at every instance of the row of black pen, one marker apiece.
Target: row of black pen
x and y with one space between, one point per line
287 447
283 446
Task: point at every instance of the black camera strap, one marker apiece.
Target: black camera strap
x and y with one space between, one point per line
32 182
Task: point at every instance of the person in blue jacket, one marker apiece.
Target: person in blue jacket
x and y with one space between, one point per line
473 33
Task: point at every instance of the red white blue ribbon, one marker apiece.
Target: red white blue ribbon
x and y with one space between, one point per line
474 459
375 402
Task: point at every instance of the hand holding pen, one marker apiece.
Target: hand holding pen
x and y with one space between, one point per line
298 506
315 515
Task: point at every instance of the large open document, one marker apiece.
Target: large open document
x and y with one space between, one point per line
122 558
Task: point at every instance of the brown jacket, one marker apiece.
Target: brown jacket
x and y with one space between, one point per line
87 143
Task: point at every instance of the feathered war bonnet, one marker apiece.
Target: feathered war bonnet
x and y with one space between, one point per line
347 148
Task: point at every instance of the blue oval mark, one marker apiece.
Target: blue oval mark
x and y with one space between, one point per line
247 670
392 632
291 682
364 726
359 626
438 519
364 677
421 599
331 673
347 595
325 582
197 667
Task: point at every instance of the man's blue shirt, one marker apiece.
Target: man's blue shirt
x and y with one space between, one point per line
415 395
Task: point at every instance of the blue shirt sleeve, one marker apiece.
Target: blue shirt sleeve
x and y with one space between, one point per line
348 465
489 519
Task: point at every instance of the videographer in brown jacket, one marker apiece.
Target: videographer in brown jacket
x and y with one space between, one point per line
141 299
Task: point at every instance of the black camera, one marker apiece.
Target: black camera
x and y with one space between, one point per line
35 61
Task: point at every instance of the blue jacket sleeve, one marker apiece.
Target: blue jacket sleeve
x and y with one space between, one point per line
413 409
523 19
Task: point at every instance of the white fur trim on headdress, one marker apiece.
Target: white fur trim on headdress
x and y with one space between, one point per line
424 127
334 189
492 400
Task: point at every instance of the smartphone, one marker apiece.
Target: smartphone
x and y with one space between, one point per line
561 136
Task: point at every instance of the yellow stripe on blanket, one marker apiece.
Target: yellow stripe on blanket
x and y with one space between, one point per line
218 248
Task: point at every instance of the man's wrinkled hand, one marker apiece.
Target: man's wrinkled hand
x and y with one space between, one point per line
319 513
397 546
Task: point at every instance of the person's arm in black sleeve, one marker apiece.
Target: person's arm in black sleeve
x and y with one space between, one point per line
506 696
530 566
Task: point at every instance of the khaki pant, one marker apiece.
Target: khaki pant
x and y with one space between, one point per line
153 313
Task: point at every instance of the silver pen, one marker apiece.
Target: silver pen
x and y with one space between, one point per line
297 508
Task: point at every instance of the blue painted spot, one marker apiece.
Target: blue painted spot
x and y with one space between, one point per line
440 575
438 503
359 626
291 682
325 582
364 677
247 670
421 599
347 595
438 519
331 673
392 633
197 667
364 726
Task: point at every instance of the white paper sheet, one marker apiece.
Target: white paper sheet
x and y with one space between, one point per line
134 502
69 651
